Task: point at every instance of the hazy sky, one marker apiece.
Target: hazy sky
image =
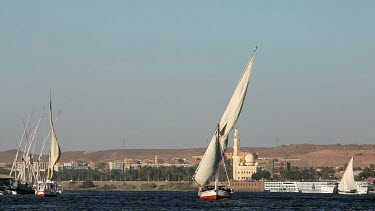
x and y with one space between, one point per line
159 74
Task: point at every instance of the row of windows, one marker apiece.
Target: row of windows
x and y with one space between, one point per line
246 184
245 172
243 178
278 186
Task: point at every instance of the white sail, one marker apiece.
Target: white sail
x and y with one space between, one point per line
209 163
55 152
347 182
233 110
213 155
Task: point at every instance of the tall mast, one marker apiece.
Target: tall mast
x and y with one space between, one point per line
19 147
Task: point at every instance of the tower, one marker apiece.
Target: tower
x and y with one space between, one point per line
236 143
236 153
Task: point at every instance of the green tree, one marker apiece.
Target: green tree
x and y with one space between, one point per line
265 174
261 175
326 173
308 174
366 173
4 171
293 175
372 167
146 173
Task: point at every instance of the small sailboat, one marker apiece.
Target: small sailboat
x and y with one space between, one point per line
347 184
209 165
46 187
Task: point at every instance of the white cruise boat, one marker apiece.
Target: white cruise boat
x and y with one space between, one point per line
313 187
363 188
317 187
281 187
301 187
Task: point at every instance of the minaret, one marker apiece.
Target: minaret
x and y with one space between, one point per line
236 152
236 143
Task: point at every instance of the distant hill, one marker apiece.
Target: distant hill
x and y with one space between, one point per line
320 155
7 157
301 154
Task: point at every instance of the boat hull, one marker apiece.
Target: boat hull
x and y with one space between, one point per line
215 194
348 193
281 187
48 189
22 188
47 194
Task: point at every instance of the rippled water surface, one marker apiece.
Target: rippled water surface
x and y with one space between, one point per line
155 200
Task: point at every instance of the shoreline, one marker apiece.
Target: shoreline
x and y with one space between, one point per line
256 186
132 185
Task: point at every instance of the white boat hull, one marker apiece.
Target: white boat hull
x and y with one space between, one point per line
215 194
300 187
48 189
363 188
317 187
285 187
348 193
47 193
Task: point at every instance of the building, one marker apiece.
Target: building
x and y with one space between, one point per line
243 169
117 165
73 165
253 186
280 166
102 167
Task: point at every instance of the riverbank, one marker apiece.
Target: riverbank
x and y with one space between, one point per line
132 185
157 186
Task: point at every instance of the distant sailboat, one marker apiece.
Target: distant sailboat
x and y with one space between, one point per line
23 171
347 184
46 187
209 165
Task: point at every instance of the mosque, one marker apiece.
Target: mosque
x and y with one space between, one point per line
243 169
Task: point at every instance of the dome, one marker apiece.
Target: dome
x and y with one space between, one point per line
249 158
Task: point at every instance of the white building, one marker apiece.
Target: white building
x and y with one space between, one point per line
117 165
243 169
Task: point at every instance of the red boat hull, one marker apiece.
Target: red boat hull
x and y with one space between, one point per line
41 194
215 194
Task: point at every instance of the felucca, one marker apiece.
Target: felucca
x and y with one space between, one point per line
46 187
347 184
209 165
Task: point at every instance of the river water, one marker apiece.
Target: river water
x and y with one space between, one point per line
175 200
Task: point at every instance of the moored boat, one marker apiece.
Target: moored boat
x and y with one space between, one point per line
48 189
363 188
290 187
45 187
22 170
317 187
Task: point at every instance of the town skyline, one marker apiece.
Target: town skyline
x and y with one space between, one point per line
160 74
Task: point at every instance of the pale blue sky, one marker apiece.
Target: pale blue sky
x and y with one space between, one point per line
159 74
